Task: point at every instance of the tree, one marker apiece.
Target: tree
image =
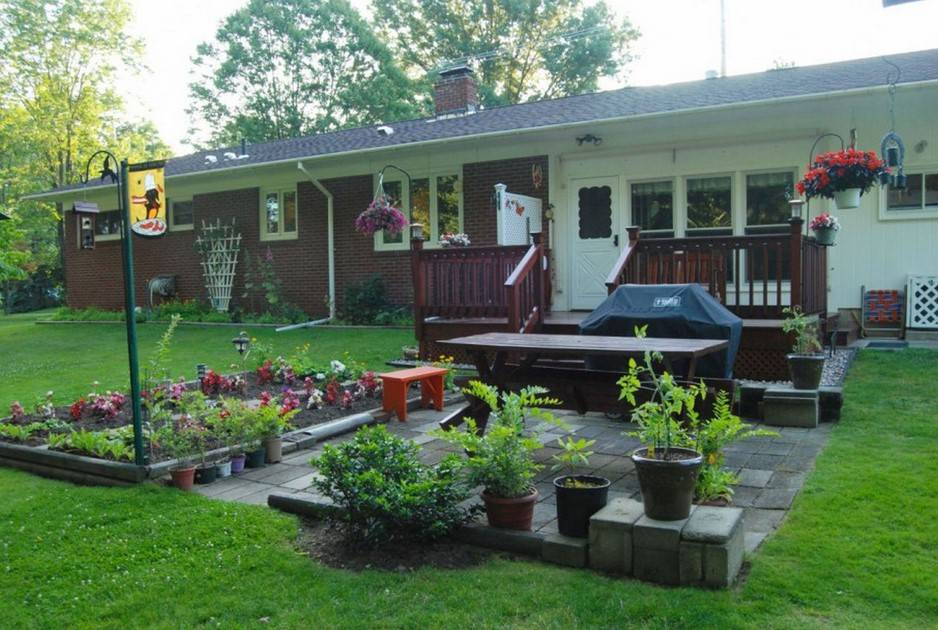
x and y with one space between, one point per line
287 68
521 50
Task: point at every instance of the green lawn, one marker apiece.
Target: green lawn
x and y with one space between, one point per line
860 549
66 358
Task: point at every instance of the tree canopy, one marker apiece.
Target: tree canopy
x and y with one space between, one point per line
521 50
286 68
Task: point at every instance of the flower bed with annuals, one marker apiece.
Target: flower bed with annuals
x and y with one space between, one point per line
98 424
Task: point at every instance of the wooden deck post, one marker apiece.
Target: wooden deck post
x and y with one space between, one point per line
420 284
797 281
633 231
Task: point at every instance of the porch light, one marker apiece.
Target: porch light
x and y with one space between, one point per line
416 231
241 342
797 207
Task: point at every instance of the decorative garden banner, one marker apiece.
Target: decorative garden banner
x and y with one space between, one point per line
147 199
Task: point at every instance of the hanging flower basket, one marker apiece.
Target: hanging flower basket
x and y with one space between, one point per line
842 176
825 228
379 216
448 239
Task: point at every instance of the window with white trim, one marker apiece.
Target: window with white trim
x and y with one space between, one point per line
653 207
710 205
767 207
434 201
181 216
107 225
278 215
921 193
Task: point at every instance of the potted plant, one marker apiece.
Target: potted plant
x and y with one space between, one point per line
578 496
502 459
272 422
232 430
667 470
842 176
805 363
459 239
825 228
180 439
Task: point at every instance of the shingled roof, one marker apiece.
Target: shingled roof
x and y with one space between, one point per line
623 103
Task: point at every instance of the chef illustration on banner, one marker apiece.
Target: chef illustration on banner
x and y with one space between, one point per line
147 199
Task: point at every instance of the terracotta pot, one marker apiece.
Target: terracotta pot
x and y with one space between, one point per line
847 199
515 513
667 484
183 478
806 370
274 447
575 506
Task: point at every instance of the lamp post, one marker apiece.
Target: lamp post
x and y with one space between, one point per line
241 344
130 302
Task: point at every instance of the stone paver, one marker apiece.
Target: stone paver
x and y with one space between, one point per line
771 470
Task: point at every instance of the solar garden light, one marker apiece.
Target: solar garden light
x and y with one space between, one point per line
242 344
200 370
797 208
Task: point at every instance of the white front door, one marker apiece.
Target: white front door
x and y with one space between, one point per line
594 204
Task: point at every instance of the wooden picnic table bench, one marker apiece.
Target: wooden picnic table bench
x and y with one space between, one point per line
510 361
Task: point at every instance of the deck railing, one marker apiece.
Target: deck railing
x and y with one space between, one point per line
755 276
526 290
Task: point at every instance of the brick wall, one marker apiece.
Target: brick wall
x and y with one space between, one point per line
94 278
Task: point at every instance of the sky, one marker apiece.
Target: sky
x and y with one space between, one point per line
680 41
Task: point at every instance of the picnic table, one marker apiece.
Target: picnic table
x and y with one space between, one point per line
513 360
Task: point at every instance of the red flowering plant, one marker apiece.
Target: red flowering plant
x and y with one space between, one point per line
840 170
381 215
824 220
265 373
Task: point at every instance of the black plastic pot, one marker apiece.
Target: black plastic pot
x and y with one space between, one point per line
667 484
805 370
206 474
575 506
256 459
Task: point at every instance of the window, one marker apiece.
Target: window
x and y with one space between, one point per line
433 201
278 215
180 214
107 225
709 204
921 193
767 199
653 206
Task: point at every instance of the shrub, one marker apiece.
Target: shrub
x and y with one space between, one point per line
367 302
386 491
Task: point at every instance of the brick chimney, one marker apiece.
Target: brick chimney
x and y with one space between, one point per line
455 92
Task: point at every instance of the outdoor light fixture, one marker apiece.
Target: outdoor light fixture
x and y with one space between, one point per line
416 231
797 207
241 342
200 370
892 148
589 138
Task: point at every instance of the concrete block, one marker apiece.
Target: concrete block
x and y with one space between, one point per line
610 535
656 565
750 396
525 543
660 535
786 407
830 402
691 563
712 525
564 550
722 562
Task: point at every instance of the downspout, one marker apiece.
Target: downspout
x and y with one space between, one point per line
330 235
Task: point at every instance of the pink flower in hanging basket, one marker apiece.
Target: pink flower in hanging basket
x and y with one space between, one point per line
379 216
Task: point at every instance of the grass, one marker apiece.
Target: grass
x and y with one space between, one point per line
66 358
858 550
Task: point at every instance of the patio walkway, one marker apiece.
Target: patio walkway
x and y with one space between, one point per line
772 469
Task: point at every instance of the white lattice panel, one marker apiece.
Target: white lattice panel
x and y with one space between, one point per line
518 216
923 302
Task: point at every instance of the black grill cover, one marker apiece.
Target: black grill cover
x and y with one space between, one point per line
684 311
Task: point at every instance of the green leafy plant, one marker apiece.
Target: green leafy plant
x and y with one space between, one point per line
111 444
20 432
502 459
573 453
662 419
386 492
804 328
367 302
263 286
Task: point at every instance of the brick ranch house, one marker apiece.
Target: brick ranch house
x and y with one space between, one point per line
699 159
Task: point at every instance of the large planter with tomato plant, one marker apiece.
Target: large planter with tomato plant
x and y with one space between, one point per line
842 176
502 459
806 362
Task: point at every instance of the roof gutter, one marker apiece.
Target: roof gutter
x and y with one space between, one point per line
539 128
330 233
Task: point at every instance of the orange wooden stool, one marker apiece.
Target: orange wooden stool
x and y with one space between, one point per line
397 383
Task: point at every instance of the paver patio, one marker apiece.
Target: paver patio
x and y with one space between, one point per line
771 470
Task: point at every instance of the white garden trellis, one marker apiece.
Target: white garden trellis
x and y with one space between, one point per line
219 246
